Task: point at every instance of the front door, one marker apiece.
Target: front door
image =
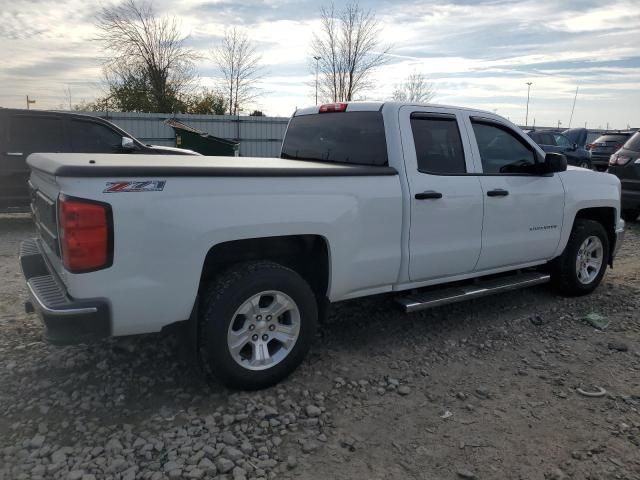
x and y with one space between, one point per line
446 202
523 211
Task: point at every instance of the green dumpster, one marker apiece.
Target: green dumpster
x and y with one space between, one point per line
202 142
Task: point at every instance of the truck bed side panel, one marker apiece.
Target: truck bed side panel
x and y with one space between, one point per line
161 238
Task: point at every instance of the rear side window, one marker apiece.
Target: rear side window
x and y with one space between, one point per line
29 134
501 150
633 143
91 137
341 137
438 145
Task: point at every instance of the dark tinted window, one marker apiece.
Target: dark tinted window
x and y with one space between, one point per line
501 150
633 143
344 137
438 145
90 137
29 134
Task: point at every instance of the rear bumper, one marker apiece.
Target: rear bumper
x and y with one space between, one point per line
68 321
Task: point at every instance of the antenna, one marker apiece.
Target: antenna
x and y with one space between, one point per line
574 106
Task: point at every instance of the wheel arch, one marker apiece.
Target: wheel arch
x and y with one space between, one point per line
607 217
308 255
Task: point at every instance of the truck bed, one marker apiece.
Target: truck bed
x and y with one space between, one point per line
113 165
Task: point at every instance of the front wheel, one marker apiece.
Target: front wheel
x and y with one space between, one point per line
582 265
585 164
257 323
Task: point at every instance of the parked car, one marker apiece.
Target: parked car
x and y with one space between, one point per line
625 164
606 145
23 132
368 198
556 142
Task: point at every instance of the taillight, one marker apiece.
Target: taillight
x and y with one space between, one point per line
85 229
619 160
333 107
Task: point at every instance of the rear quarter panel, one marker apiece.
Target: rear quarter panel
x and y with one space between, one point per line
161 238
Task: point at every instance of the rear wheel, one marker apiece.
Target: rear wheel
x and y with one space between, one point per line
585 164
630 215
582 265
257 323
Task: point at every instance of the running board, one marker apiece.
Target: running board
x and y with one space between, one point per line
482 288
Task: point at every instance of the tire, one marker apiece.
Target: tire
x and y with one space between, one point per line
229 312
630 215
585 164
566 275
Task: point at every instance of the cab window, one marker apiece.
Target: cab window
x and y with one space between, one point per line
501 150
93 137
438 145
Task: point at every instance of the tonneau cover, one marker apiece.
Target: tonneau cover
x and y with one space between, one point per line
131 165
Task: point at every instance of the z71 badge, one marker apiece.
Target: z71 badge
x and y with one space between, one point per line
146 186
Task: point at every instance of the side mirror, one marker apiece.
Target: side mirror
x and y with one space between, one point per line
555 162
128 144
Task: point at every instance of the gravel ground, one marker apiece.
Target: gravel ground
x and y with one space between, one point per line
486 389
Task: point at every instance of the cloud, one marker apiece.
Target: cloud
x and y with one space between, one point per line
477 53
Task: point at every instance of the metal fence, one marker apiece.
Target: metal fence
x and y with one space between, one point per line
258 136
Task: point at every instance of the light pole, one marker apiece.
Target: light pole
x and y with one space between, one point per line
317 59
29 102
526 120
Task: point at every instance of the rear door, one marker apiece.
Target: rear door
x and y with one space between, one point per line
523 211
445 199
26 134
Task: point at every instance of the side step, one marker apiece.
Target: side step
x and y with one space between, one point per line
482 288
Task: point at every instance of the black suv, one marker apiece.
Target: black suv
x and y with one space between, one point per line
605 145
23 132
570 143
625 164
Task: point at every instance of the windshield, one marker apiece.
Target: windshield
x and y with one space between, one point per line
341 137
633 143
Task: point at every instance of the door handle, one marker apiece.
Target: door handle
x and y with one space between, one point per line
429 194
498 192
14 154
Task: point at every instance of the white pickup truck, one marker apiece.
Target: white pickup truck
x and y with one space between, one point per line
438 204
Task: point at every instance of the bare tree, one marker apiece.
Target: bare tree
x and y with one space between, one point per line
350 51
239 64
415 88
149 47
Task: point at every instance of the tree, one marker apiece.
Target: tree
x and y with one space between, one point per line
239 64
415 88
207 102
350 51
149 68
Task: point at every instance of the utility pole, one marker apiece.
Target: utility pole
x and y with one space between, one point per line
574 106
526 120
559 123
317 59
29 102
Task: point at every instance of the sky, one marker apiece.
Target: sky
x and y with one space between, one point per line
477 54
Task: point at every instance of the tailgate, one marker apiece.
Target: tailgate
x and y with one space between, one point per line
43 191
